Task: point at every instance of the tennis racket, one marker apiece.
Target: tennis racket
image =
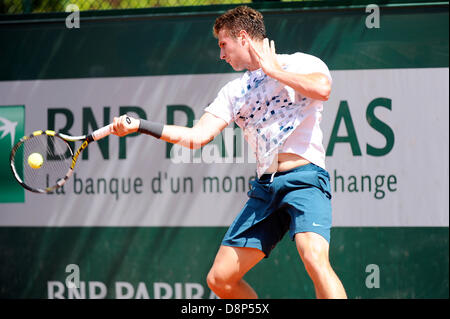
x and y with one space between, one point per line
44 160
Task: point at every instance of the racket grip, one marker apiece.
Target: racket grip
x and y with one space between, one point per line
102 132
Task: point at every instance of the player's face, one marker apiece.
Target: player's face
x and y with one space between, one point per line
233 51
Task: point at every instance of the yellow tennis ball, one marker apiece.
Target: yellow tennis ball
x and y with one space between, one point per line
35 160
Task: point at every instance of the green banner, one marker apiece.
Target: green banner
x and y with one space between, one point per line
172 262
151 44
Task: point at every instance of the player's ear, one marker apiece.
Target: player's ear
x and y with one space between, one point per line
243 35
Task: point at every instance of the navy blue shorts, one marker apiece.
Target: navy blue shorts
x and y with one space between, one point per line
298 200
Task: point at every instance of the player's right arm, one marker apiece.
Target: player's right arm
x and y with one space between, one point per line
204 131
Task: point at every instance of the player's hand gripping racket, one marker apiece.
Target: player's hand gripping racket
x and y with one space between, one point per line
44 160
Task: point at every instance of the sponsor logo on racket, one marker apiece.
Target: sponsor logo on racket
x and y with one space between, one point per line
77 153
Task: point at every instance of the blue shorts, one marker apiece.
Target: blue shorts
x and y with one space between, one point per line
298 200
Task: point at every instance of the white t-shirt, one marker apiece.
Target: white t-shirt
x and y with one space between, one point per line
273 116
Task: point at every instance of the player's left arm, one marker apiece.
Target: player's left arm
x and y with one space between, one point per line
313 85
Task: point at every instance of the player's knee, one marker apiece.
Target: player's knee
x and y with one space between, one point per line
315 259
219 280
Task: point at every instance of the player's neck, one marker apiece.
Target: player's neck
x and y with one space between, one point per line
254 60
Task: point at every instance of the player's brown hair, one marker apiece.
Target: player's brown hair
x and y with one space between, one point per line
241 18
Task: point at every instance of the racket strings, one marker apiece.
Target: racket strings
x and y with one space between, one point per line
57 157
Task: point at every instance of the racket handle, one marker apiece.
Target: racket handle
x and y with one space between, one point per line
102 132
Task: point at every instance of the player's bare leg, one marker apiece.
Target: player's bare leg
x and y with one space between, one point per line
313 250
230 266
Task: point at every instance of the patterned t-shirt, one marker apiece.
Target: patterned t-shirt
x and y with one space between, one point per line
273 116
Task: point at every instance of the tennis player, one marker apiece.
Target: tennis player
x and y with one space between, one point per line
277 103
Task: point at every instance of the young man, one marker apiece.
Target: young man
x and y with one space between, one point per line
278 104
